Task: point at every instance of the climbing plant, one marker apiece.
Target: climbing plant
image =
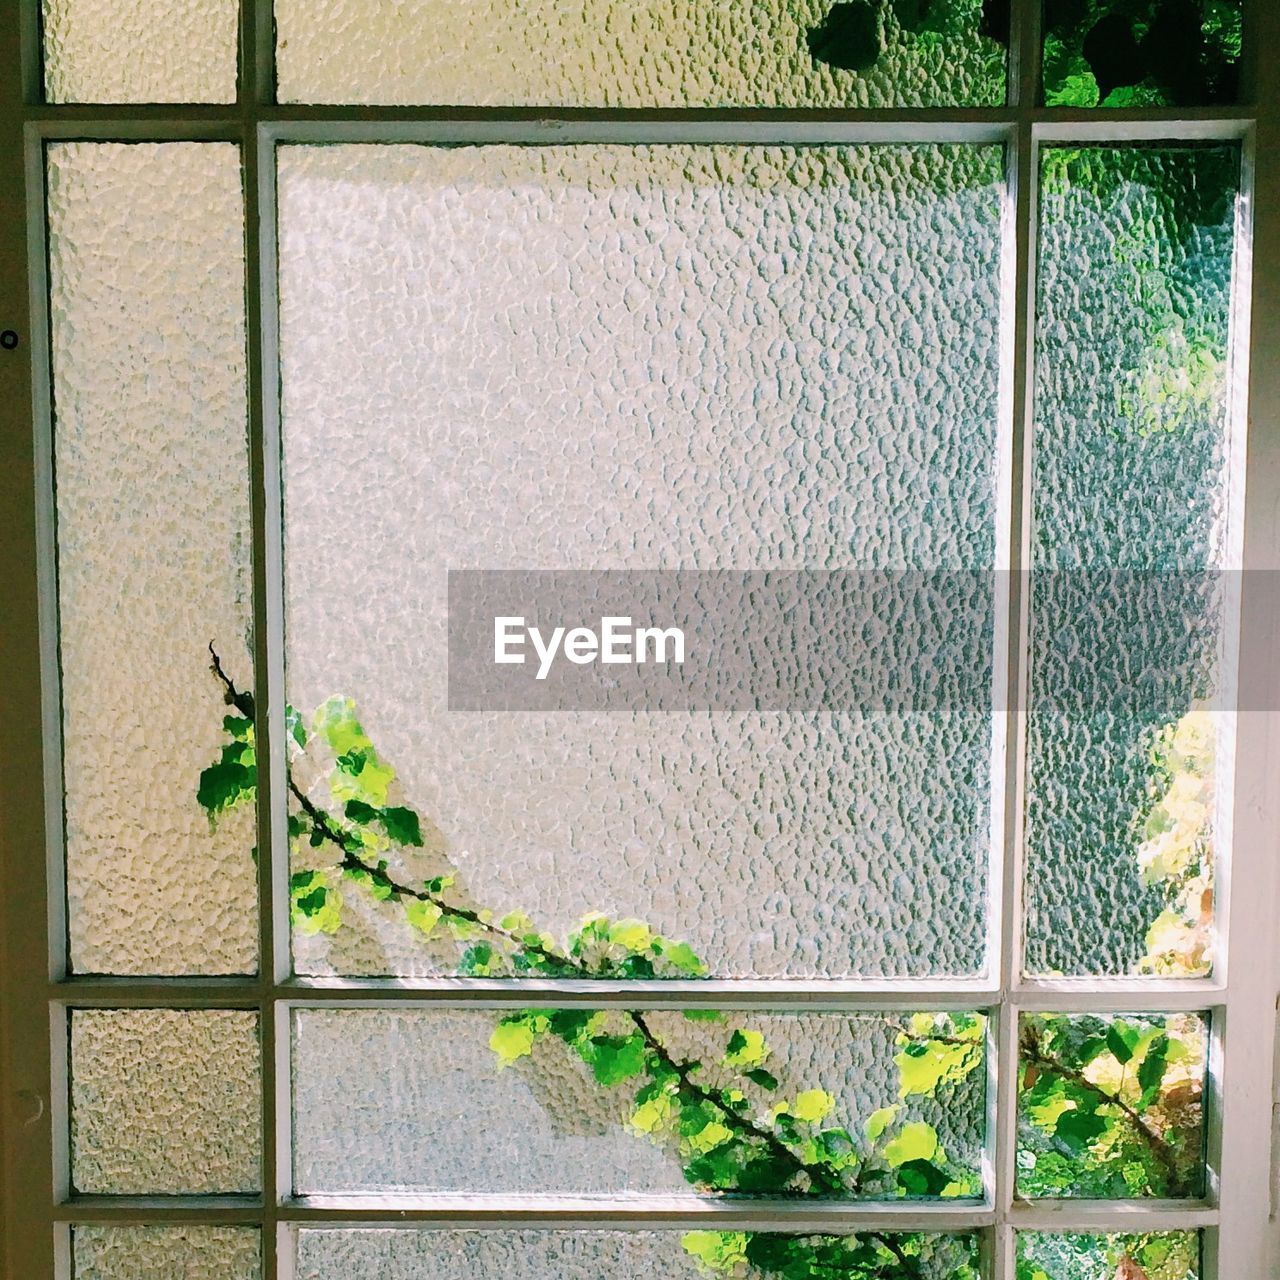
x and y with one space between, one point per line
734 1126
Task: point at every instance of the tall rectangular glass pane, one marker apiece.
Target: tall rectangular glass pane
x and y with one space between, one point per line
140 50
146 261
355 1254
1135 493
611 357
635 1103
644 53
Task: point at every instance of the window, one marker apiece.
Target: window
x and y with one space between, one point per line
919 353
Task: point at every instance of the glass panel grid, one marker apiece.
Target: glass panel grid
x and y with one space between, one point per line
1000 1233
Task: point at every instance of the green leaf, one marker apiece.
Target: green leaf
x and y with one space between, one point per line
478 961
813 1105
716 1251
1121 1040
746 1049
878 1121
423 916
681 956
614 1059
224 785
918 1141
359 811
1151 1071
315 907
922 1178
402 826
512 1039
633 935
1078 1130
758 1075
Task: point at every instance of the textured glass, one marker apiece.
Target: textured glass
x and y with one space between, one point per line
1111 1108
461 1102
166 1253
1142 53
165 1101
341 1254
642 53
140 50
1164 1255
613 357
146 267
1133 486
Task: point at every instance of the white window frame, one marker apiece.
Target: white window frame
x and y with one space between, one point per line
1236 1214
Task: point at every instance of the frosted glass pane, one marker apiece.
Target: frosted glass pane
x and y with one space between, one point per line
1165 1255
612 357
328 1254
591 1103
641 53
140 50
1111 1108
146 276
165 1101
1142 53
1134 480
166 1253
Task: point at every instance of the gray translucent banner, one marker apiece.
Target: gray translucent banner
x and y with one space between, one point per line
1102 642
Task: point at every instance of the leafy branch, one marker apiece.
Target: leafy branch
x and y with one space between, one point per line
717 1106
727 1116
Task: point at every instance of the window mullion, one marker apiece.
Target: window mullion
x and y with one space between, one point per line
256 91
1020 324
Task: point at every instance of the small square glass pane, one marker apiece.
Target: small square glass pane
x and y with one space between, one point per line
166 1253
165 1102
1111 1108
643 53
634 1103
355 1254
1156 1255
140 50
1142 53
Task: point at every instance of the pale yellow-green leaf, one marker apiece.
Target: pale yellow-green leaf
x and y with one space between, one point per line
511 1041
812 1105
878 1121
918 1141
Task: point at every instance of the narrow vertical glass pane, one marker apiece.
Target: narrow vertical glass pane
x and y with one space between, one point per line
589 1102
353 1254
629 358
1111 1108
1135 481
644 53
146 265
166 1253
165 1102
1142 53
140 50
1157 1255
